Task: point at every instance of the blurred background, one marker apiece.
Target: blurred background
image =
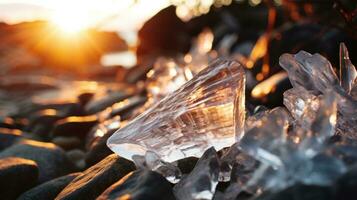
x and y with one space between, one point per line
121 40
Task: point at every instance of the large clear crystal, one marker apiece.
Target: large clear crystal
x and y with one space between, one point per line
207 111
202 181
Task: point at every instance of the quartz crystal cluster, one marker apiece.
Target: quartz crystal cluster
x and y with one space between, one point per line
206 111
291 145
310 141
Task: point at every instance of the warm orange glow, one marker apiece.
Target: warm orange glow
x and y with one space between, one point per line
259 50
70 18
204 41
267 86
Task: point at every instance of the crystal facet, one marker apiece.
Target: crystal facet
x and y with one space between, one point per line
302 105
315 74
287 159
152 162
348 72
207 111
166 77
202 181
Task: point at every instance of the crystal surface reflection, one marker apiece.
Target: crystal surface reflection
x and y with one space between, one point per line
207 111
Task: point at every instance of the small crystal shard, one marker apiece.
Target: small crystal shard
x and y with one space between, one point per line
202 181
236 167
201 52
166 77
242 172
152 162
302 105
261 141
348 72
207 111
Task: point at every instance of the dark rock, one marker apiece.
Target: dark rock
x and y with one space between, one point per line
42 122
84 98
110 99
7 122
16 176
50 189
65 108
346 185
75 126
140 185
77 158
97 178
126 107
301 192
8 137
28 86
51 160
67 143
164 33
99 150
186 165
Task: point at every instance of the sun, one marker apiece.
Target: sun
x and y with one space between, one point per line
70 20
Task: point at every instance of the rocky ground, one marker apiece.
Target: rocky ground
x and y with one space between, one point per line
53 132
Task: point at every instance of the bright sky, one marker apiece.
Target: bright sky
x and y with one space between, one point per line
114 15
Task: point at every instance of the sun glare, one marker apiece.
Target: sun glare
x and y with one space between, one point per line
70 20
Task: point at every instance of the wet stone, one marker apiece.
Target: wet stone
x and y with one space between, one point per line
50 189
95 106
16 176
7 122
51 160
67 143
9 137
99 150
125 108
140 185
84 98
101 129
77 158
97 178
74 126
65 108
42 122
